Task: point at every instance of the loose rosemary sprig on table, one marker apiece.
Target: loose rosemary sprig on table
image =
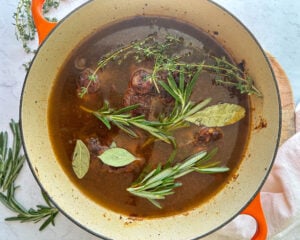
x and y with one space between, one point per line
160 182
11 162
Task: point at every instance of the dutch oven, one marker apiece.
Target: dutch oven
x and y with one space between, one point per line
240 195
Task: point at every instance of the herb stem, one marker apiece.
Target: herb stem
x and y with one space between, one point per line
111 57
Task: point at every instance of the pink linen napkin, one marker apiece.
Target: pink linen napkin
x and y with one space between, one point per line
280 197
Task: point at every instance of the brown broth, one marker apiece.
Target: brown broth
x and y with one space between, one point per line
68 122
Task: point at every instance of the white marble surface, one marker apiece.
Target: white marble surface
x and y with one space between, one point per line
276 25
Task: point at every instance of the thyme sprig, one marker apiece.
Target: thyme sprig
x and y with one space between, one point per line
11 162
25 28
147 48
122 119
164 60
160 54
160 182
226 71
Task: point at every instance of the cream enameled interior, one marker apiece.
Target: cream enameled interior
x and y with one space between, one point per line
207 217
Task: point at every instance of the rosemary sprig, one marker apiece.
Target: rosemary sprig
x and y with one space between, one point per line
11 162
122 119
160 182
181 92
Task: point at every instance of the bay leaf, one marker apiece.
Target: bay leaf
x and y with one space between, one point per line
218 115
81 159
117 157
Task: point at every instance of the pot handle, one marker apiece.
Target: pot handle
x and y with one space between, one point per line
254 209
42 25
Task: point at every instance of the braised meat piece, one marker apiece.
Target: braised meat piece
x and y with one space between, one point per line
166 98
140 81
95 147
144 101
85 81
207 135
142 91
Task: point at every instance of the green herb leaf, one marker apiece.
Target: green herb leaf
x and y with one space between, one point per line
81 159
189 87
218 115
117 157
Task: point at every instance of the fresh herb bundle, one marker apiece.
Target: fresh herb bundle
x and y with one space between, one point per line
184 112
161 181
